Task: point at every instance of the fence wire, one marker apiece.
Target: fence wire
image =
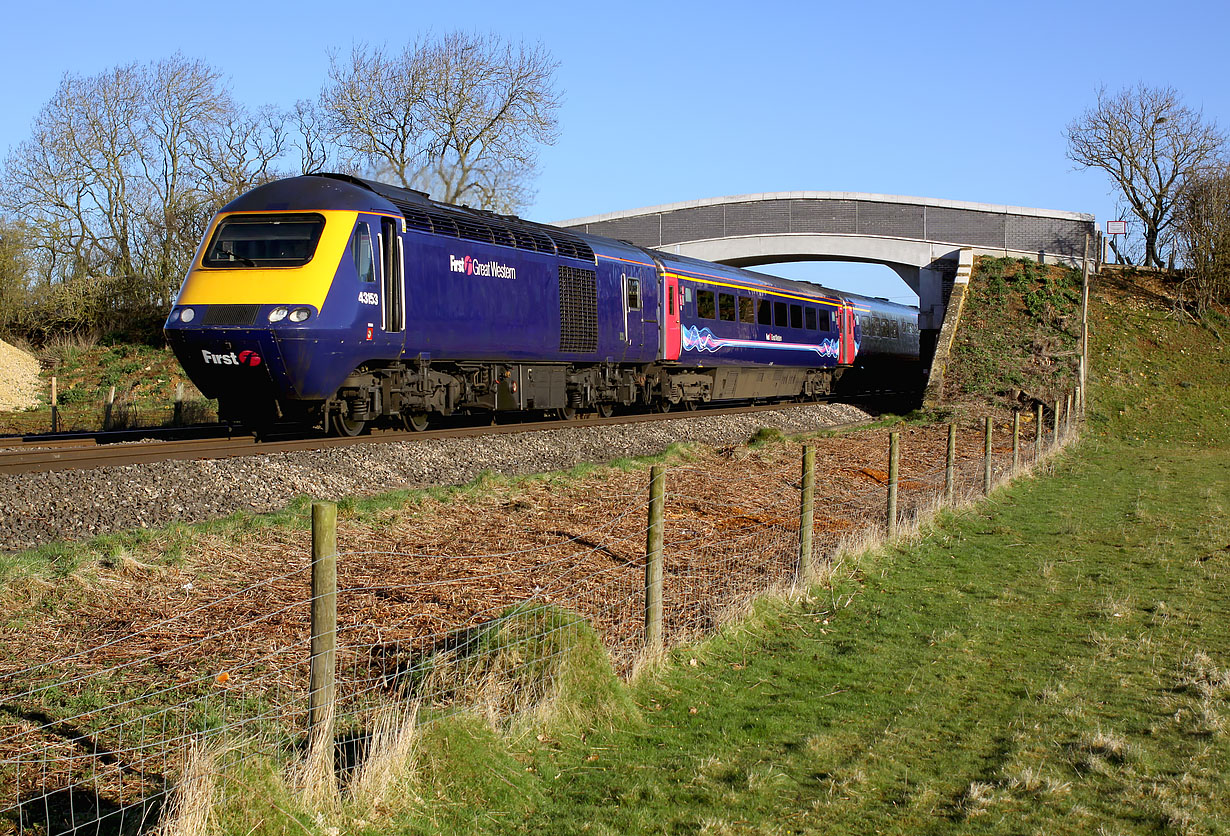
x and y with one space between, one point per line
97 738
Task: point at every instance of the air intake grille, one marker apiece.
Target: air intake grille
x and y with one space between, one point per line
230 315
578 310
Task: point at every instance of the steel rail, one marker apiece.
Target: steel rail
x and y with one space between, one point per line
89 453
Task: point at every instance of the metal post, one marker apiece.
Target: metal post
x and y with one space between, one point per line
892 485
322 686
807 514
950 482
653 560
55 407
108 416
986 459
1037 433
1016 441
1084 355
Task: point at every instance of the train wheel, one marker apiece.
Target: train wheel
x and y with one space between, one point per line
568 413
414 421
691 406
345 426
664 405
604 410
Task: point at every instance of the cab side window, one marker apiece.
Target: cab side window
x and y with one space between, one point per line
361 251
634 293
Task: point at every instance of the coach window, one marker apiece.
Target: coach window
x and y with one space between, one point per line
705 305
796 316
634 293
747 309
780 317
823 323
894 333
726 307
361 251
765 315
810 312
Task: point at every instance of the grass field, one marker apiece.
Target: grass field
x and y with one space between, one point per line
1056 660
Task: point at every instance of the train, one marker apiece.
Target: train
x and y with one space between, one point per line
336 302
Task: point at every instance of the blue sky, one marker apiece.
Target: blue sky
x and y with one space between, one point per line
673 101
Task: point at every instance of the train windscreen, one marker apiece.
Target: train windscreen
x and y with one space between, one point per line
264 241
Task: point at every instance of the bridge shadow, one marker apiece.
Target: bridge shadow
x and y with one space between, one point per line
71 801
77 810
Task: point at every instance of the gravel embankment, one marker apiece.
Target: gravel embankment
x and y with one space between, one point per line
39 508
19 381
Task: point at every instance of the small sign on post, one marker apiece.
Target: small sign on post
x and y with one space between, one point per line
1114 228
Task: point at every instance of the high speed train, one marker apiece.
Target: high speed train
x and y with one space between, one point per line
344 303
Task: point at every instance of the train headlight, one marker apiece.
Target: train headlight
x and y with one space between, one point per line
277 314
300 314
174 317
187 315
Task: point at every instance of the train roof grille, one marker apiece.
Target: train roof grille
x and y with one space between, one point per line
425 215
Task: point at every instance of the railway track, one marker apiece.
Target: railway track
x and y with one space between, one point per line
85 452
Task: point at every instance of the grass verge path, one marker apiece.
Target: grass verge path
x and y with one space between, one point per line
1055 661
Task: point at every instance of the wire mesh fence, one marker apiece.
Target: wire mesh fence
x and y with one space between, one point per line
475 616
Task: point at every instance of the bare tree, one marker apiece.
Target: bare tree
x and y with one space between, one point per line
14 273
461 117
1148 141
1202 220
124 168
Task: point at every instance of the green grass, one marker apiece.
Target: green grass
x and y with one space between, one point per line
1056 660
1020 332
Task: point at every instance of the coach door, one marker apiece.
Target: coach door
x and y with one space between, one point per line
634 314
845 353
391 261
669 302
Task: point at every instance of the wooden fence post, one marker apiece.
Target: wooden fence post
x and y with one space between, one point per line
1016 441
891 511
807 515
986 458
178 418
108 416
1055 424
323 682
1037 433
1067 417
950 467
55 407
653 560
